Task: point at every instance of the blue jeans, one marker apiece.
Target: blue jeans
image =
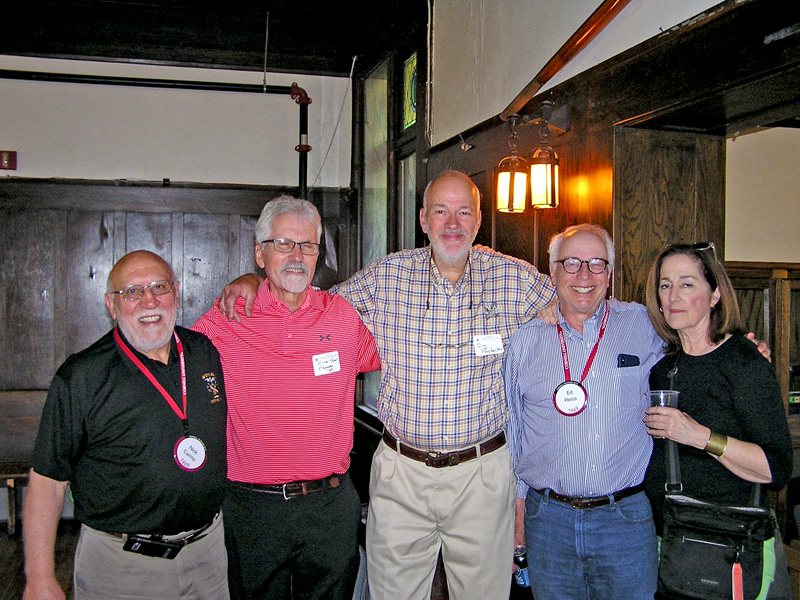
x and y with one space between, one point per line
604 553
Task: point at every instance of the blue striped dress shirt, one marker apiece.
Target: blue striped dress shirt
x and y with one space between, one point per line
603 449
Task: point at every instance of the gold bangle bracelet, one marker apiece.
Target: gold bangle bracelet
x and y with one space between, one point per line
716 444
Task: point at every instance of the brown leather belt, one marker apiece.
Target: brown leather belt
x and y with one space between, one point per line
291 489
438 460
591 502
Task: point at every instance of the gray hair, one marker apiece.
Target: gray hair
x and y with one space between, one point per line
555 241
286 205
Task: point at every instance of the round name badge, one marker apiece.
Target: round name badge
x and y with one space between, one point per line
570 398
190 453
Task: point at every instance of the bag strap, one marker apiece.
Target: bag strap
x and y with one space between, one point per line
673 484
673 470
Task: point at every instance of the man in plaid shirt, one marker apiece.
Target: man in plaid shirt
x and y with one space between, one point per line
441 478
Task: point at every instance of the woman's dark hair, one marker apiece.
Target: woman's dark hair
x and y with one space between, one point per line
725 317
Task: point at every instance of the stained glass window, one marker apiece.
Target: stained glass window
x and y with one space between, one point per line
410 91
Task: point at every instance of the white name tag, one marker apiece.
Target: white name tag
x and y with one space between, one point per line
488 344
190 453
326 363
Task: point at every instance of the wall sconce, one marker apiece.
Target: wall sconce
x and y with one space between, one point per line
544 165
511 177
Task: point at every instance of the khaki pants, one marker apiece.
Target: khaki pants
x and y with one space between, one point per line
466 510
103 570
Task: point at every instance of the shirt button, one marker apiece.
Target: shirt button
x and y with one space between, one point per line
289 336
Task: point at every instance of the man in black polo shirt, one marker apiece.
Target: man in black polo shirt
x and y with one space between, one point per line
136 425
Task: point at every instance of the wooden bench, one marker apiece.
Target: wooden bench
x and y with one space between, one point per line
20 412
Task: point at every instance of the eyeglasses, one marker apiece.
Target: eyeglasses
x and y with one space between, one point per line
136 292
573 265
287 246
699 246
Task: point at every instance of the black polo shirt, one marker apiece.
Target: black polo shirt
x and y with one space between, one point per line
108 431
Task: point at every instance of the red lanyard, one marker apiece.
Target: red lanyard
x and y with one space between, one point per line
158 386
589 362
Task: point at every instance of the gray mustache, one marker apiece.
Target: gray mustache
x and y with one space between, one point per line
295 266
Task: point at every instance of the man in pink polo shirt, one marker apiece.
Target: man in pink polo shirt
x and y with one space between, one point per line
291 511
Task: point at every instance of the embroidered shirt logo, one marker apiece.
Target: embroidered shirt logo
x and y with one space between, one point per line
325 338
212 386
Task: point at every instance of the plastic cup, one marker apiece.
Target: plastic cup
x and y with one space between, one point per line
664 398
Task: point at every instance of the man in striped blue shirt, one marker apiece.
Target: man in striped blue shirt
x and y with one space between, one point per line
576 395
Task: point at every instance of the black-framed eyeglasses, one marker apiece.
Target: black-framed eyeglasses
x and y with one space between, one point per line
136 292
573 265
699 246
286 246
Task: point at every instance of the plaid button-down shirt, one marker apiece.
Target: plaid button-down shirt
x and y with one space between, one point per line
436 393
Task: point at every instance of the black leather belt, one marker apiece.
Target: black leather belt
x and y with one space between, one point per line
591 502
291 489
438 460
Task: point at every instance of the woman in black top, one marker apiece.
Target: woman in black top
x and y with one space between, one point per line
730 424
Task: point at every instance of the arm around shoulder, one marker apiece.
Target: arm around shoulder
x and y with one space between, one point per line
40 515
245 287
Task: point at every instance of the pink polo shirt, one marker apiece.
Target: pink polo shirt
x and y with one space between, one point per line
290 384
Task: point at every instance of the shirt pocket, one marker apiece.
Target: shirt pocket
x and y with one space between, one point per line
627 385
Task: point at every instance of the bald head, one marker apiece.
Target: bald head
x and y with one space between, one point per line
134 260
456 182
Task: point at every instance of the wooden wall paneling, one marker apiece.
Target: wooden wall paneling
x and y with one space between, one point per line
659 198
794 342
70 194
27 273
90 256
709 183
120 235
234 247
781 313
205 267
178 263
247 242
754 308
149 231
60 293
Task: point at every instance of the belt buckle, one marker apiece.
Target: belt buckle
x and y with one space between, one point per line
451 459
579 502
431 456
283 491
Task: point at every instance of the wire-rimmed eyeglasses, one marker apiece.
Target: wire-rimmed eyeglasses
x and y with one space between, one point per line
136 292
286 246
573 265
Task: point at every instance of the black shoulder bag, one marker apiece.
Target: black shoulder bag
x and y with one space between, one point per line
707 548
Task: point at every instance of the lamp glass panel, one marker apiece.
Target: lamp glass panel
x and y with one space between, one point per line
517 203
544 185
